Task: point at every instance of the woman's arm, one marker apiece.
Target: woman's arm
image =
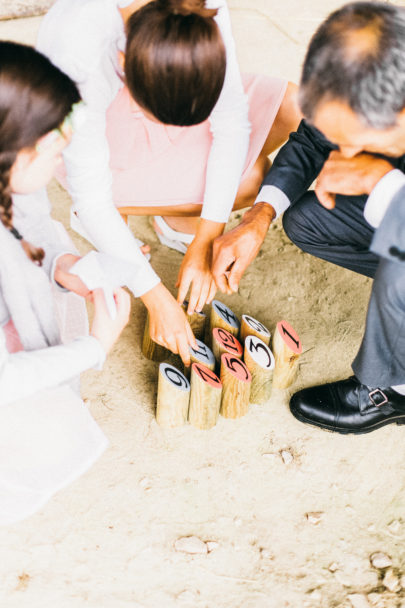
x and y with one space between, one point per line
230 128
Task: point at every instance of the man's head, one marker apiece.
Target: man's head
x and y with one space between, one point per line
353 81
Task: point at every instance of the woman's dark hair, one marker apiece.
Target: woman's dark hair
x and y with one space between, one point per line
35 98
358 56
175 60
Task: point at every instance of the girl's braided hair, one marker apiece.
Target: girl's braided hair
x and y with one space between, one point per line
35 98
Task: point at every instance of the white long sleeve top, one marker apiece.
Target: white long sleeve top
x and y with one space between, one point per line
83 38
24 373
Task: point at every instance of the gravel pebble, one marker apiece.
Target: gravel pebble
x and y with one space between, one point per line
287 456
380 560
391 581
190 544
315 517
358 600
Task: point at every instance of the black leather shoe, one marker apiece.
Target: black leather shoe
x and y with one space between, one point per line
348 406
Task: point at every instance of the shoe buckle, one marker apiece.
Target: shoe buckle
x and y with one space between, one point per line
378 397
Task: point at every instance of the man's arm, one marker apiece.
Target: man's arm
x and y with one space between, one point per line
296 166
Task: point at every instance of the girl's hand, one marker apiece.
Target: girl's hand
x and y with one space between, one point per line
195 275
195 271
168 324
105 329
70 281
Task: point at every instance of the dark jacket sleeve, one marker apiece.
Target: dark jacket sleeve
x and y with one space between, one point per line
389 238
299 161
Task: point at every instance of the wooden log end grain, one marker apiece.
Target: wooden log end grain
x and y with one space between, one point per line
222 316
253 327
236 380
260 362
287 349
205 399
173 397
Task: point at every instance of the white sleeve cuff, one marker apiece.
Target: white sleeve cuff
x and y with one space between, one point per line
274 197
381 196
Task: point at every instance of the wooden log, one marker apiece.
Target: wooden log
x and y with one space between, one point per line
287 349
222 316
260 362
150 349
253 327
236 380
203 355
225 342
197 321
205 399
173 397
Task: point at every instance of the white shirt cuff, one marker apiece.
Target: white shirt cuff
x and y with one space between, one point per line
275 197
382 195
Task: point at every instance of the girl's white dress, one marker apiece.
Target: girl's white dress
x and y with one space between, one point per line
48 437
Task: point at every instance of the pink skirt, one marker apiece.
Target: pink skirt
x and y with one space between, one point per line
155 164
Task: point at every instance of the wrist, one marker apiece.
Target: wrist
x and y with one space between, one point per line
154 298
261 214
380 169
208 231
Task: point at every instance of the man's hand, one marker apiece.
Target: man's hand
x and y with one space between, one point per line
168 324
349 176
235 250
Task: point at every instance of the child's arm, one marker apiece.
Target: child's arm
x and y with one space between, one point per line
24 373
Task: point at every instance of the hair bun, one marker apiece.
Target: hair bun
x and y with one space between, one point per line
188 7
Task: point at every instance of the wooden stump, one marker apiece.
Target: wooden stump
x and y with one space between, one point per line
222 316
260 362
253 327
236 381
203 355
287 349
197 321
150 349
225 342
205 399
173 397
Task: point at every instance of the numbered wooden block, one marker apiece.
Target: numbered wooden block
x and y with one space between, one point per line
260 362
203 355
173 397
197 321
253 327
150 349
222 316
205 399
236 380
224 342
287 349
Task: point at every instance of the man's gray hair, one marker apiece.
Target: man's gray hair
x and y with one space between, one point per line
357 56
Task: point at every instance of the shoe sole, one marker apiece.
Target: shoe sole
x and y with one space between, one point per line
327 427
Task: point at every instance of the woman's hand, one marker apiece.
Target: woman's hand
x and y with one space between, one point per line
105 329
195 271
168 325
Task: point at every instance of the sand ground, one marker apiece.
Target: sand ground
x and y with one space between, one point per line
107 541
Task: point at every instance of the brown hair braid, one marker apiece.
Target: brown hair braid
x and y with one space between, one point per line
35 98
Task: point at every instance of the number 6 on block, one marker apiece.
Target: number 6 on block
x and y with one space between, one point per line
236 380
173 397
